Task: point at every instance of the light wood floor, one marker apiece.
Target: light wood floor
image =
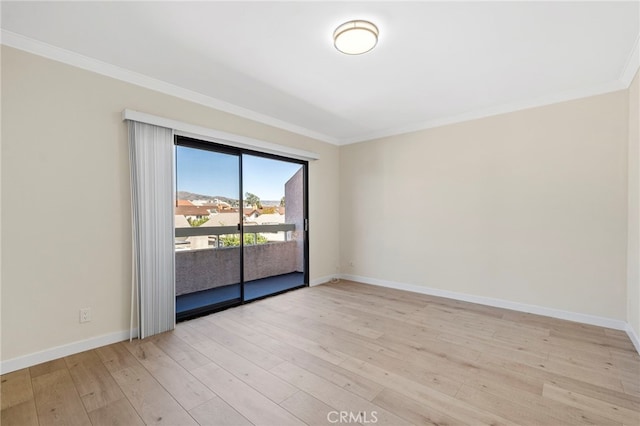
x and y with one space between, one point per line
380 356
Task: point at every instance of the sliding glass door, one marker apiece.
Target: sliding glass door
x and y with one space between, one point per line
208 265
274 226
240 222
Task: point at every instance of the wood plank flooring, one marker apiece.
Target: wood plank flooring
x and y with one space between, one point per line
338 354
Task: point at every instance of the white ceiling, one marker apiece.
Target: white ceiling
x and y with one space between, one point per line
435 63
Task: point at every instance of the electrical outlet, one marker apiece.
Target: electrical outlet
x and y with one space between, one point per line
85 315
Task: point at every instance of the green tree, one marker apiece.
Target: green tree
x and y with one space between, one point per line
249 240
282 201
252 200
197 222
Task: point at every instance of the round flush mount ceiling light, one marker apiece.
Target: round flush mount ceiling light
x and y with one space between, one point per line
355 37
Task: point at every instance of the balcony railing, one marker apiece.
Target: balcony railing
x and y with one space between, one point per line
213 235
210 265
230 230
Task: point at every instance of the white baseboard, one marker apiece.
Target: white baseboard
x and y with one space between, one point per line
633 336
64 350
321 280
84 345
498 303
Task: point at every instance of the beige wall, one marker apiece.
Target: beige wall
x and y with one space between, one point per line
633 260
65 198
528 207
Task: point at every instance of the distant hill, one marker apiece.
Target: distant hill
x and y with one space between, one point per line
186 195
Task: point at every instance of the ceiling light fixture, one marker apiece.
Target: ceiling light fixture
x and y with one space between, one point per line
355 37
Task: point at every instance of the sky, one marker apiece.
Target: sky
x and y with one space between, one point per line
214 173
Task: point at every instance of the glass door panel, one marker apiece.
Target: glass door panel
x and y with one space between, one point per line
274 226
207 220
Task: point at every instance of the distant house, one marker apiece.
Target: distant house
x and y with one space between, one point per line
181 222
202 203
223 219
250 213
183 203
194 212
182 243
222 205
269 219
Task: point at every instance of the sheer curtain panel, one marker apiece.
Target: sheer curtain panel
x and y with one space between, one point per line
153 286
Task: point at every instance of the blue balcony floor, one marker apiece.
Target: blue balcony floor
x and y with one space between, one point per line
201 302
271 285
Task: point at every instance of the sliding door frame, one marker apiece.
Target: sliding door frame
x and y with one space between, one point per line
207 145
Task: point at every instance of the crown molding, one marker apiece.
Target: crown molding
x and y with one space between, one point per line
612 86
632 65
36 47
68 57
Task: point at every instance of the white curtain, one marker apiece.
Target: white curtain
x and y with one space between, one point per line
153 286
